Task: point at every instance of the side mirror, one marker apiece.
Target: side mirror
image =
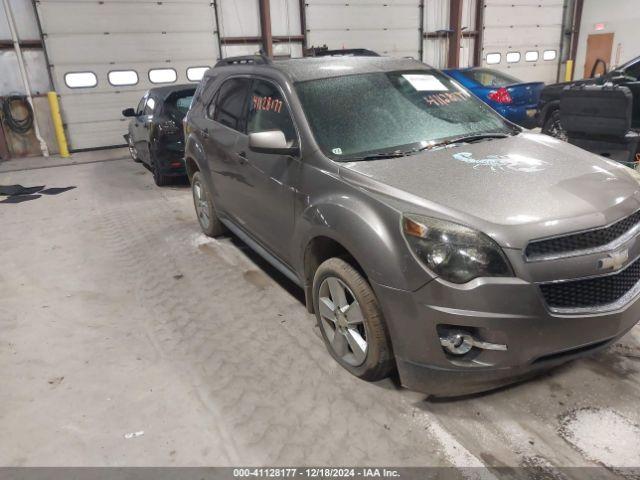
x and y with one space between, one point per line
129 112
273 142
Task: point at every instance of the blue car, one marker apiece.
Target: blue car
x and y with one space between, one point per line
511 98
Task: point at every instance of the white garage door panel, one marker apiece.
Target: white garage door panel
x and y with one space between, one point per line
239 18
126 48
525 36
392 43
387 27
141 68
323 17
96 17
99 107
101 36
522 26
527 14
110 132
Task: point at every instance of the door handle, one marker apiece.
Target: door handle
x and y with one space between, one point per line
243 157
205 133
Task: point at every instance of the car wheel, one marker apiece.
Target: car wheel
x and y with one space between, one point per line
207 217
553 127
133 150
159 178
350 320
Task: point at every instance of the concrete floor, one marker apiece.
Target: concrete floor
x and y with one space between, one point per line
117 316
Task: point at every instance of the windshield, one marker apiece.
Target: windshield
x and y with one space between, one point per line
490 78
356 115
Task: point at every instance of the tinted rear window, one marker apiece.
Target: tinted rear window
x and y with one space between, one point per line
490 78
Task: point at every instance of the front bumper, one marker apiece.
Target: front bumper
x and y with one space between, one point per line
506 311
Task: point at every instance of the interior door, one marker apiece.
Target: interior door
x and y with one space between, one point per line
267 197
599 47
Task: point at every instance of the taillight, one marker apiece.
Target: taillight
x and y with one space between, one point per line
500 96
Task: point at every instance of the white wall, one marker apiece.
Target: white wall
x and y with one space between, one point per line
620 17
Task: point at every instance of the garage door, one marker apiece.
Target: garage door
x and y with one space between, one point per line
105 54
522 38
389 28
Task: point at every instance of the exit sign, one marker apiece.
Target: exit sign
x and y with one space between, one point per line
599 26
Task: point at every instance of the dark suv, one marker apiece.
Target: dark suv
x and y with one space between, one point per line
627 75
429 234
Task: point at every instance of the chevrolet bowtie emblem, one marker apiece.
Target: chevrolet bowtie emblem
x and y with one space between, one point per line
614 261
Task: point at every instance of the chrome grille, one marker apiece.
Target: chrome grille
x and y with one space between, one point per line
581 241
592 292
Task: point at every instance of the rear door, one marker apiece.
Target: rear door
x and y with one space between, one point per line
223 127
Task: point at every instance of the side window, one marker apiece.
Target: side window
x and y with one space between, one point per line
268 111
229 103
151 105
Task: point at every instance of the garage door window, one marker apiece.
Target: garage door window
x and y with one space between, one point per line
195 74
121 78
513 57
531 56
163 75
549 55
493 58
80 79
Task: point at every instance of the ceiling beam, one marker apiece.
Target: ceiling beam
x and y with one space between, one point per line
265 26
455 26
479 28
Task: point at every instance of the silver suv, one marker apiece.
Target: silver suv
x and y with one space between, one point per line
429 234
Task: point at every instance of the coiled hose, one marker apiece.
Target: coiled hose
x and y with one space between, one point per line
18 125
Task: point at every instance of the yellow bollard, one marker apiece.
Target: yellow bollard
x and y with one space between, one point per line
568 73
57 124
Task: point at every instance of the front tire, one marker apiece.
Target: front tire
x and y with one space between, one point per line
133 151
350 321
206 213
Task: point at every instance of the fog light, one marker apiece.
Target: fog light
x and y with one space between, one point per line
459 342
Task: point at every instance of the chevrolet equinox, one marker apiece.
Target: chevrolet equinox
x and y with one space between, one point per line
430 235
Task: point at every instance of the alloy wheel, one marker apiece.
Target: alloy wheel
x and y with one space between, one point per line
342 321
202 205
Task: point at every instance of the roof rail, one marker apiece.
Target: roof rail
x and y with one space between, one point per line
345 52
258 59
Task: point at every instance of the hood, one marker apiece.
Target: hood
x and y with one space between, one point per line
515 189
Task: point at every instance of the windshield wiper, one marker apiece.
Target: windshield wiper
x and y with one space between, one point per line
413 151
470 139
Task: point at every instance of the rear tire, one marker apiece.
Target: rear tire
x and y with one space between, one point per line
553 128
159 178
350 321
205 211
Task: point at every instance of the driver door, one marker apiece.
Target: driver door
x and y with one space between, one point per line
267 197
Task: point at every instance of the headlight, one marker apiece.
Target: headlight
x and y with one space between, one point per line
454 252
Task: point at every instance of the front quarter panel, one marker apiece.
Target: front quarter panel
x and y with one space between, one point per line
368 228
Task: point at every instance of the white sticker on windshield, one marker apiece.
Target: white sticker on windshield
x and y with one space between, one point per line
337 151
425 83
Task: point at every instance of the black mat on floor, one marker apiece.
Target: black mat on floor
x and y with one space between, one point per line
20 198
11 190
19 194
